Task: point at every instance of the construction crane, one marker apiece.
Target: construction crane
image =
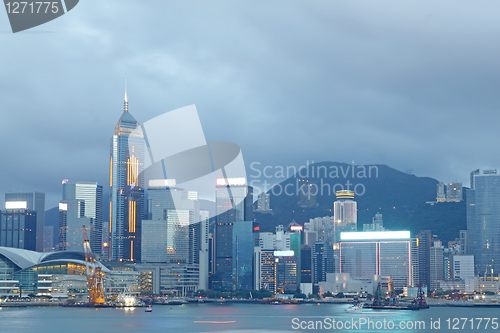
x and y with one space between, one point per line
94 273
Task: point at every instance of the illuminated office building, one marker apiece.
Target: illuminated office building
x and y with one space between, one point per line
35 201
345 213
276 271
126 188
385 253
18 227
273 272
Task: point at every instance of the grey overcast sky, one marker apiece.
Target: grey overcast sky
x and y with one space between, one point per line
410 84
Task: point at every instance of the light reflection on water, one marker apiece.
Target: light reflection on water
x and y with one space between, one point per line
215 318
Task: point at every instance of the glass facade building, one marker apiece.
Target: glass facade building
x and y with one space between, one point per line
91 195
242 255
71 221
323 261
126 194
234 202
385 253
176 234
35 201
286 274
167 235
18 229
483 222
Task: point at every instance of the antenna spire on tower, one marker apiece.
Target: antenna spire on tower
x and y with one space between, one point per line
125 102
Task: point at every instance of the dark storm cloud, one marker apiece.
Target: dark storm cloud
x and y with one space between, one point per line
408 84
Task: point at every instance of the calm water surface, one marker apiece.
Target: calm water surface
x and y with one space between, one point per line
230 318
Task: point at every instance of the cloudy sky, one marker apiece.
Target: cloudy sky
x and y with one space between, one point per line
410 84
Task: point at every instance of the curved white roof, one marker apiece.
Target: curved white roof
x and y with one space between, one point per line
26 258
22 258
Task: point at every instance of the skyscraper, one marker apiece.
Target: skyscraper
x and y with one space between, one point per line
424 243
472 174
35 201
18 226
71 221
323 261
48 239
345 213
234 202
242 256
91 195
385 253
436 264
483 227
175 235
126 188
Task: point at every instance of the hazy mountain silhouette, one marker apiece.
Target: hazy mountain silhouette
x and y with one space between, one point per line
399 196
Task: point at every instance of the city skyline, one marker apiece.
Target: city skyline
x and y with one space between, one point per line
389 119
249 166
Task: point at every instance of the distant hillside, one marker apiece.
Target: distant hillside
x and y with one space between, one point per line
399 196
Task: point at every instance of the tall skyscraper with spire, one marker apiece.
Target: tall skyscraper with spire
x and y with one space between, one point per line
126 195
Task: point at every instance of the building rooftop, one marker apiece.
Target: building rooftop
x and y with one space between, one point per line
374 235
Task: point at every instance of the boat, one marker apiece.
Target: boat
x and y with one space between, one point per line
357 308
149 309
391 302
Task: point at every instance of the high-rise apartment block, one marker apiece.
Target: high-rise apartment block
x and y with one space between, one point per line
454 192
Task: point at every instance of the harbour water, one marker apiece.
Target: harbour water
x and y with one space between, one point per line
242 318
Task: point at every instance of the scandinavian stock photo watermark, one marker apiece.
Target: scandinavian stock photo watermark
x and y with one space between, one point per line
310 179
